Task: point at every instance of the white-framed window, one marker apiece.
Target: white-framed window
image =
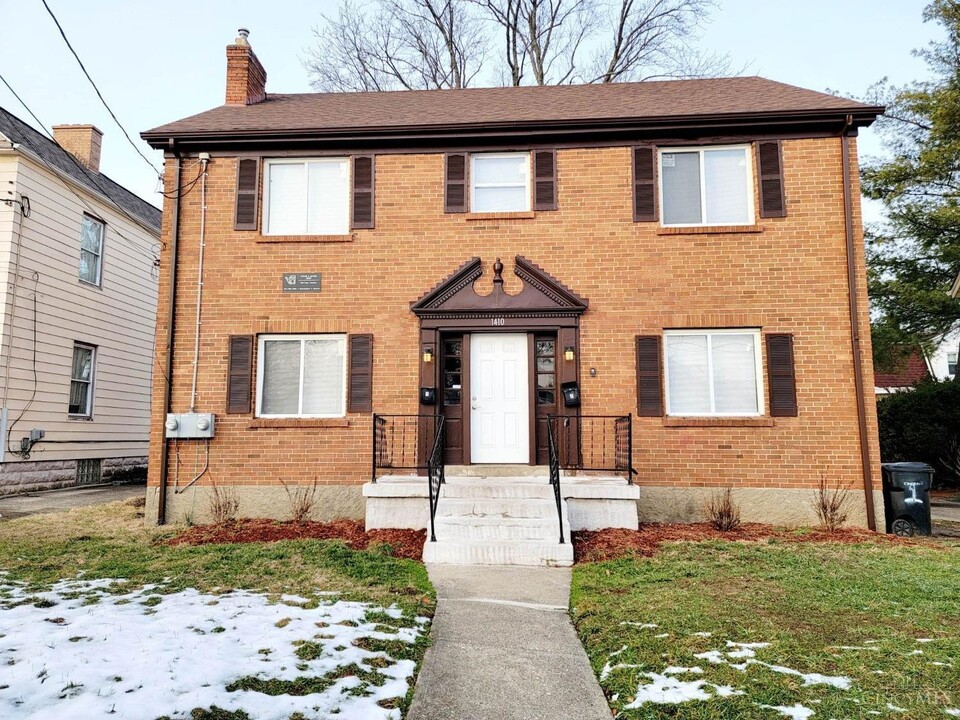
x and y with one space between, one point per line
91 250
500 182
952 364
82 373
713 372
301 376
307 197
706 186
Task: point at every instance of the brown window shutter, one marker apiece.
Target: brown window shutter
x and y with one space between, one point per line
545 180
248 176
360 392
781 376
362 191
239 373
773 203
455 183
644 183
649 376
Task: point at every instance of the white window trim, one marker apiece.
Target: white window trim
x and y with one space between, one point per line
341 337
303 161
526 184
88 415
751 190
758 360
99 253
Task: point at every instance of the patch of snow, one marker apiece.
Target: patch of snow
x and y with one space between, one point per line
662 635
855 647
837 681
794 712
952 712
925 640
701 634
642 626
674 670
894 708
129 655
608 668
617 652
714 657
666 690
941 664
916 652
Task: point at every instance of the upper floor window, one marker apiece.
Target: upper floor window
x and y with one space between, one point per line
952 364
713 372
500 182
81 381
301 375
91 250
706 186
307 197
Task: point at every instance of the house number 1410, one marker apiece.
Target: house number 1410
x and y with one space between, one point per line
498 321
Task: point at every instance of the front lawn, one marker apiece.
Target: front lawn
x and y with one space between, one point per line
98 614
775 629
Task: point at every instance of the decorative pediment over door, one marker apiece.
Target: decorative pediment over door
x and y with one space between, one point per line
543 296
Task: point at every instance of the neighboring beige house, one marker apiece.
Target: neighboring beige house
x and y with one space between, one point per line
79 283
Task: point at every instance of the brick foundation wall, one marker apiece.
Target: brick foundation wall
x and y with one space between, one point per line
788 277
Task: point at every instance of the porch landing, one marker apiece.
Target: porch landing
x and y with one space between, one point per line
494 515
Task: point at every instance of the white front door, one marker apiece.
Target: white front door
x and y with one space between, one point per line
499 399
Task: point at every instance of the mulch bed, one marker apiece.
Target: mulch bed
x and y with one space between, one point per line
613 543
405 543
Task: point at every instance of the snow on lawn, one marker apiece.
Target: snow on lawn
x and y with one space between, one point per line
79 651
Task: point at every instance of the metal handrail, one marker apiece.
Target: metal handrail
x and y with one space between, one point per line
596 443
555 470
397 442
435 474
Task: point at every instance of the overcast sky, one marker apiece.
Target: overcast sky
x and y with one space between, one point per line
155 62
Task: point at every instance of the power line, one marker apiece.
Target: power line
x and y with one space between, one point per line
84 171
99 94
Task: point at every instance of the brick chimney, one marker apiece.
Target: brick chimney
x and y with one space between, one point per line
246 78
81 141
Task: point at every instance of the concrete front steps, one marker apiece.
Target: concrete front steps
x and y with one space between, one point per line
499 521
501 515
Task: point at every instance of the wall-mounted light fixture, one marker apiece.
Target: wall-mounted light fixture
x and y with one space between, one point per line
428 354
569 353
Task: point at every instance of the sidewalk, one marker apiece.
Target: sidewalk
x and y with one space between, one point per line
504 649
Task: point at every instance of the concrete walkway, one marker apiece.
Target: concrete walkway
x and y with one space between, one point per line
14 506
504 649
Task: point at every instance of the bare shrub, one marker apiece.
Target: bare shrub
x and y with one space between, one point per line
723 512
224 504
831 504
302 499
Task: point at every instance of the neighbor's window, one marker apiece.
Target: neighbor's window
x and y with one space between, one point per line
91 250
301 375
708 186
500 182
307 197
952 364
81 381
713 372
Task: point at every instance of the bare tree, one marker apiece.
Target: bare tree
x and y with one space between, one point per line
399 44
414 44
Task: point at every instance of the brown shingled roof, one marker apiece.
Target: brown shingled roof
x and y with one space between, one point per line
912 370
326 112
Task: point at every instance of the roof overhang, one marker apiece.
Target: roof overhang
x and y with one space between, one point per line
808 122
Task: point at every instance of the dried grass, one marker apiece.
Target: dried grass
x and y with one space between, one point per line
302 499
223 504
831 504
723 512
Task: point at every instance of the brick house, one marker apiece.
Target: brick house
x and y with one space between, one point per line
666 278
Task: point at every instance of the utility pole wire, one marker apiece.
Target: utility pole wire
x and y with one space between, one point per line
99 94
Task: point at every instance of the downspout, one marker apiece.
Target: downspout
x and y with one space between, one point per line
168 362
855 323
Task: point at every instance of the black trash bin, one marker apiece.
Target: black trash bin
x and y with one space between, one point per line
906 498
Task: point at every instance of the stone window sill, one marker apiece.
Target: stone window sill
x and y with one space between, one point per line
528 215
710 230
259 423
718 422
305 238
